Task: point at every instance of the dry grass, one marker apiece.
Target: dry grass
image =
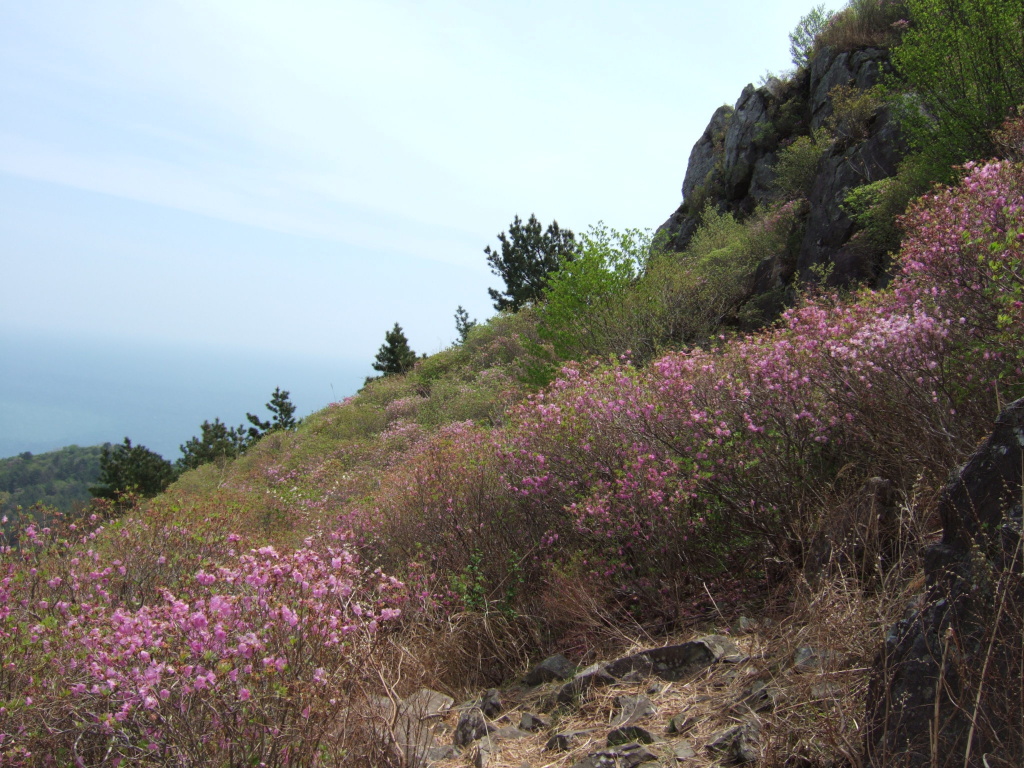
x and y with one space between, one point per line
862 24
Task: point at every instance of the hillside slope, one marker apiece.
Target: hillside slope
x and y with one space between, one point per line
700 470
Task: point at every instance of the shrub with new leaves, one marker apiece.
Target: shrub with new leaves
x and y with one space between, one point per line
801 39
960 69
581 314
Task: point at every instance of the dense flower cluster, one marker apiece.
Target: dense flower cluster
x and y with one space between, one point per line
235 660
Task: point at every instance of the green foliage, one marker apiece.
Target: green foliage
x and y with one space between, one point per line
801 39
282 416
960 71
463 325
218 441
797 165
695 293
394 355
527 256
131 469
876 207
852 110
581 312
58 479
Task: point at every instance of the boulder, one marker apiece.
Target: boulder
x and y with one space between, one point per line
632 709
565 740
625 756
676 662
629 734
594 676
954 660
470 727
737 745
531 721
556 667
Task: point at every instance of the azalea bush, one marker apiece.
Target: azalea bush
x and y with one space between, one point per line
251 656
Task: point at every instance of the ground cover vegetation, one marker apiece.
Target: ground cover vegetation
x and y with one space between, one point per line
632 445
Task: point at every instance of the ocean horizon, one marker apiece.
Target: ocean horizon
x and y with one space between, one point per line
62 391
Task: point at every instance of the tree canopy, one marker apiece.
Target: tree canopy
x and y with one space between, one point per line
962 62
216 441
128 468
528 254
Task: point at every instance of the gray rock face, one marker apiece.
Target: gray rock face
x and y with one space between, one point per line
732 165
969 630
706 151
829 228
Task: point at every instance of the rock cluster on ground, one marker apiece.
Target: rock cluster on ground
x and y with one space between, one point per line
649 708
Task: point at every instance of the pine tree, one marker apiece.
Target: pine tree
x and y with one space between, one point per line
394 355
282 412
463 325
527 257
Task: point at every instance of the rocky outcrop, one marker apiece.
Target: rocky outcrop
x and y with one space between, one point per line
949 682
732 165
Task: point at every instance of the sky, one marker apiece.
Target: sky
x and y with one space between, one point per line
289 179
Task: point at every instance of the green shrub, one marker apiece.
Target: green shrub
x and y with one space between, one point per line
686 297
581 311
876 207
852 110
797 165
960 71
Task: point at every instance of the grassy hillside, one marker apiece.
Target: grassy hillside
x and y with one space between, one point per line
504 500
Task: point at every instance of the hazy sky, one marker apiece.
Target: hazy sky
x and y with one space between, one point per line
297 176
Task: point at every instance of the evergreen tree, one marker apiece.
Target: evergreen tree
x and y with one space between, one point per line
462 323
528 255
128 468
216 441
394 355
282 416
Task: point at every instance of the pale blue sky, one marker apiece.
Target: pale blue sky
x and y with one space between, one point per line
294 177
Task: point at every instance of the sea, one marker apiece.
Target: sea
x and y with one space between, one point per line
61 391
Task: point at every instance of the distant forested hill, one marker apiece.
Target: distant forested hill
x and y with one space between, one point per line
58 478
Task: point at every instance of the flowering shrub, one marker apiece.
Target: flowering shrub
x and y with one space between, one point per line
761 430
247 658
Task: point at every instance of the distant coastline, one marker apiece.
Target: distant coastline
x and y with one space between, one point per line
58 392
